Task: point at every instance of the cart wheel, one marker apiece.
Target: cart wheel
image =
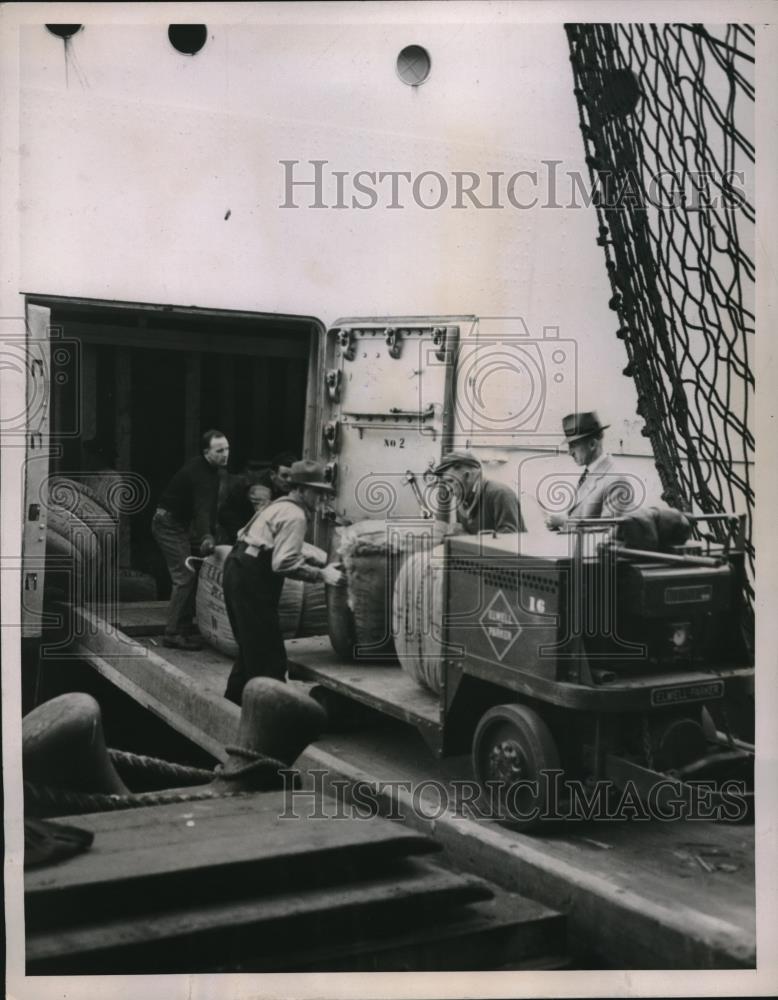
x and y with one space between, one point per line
512 747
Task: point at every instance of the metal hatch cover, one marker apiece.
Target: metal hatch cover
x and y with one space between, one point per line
388 412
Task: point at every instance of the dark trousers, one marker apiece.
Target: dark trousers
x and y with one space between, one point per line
173 540
251 593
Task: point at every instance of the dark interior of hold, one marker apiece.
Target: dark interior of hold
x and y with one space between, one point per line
134 388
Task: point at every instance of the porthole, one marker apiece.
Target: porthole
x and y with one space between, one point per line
413 65
63 30
187 38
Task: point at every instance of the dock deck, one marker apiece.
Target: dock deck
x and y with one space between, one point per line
235 884
641 894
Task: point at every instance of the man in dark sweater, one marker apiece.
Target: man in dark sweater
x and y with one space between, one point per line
184 524
481 504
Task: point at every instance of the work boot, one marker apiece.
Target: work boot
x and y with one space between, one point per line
178 641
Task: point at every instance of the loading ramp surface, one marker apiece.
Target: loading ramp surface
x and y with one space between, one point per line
643 895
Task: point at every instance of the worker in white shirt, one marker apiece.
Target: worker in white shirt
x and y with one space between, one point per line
600 491
269 549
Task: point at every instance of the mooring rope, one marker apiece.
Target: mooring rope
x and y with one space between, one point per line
44 800
132 764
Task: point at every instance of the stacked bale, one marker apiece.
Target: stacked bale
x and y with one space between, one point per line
360 611
417 617
67 495
302 609
72 554
82 537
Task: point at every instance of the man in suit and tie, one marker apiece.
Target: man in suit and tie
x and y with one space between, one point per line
600 491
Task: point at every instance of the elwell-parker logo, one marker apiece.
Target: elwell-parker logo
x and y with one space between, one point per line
317 184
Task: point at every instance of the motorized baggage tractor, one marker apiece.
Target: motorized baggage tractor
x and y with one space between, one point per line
570 655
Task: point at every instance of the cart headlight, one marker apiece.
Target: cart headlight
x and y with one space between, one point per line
680 637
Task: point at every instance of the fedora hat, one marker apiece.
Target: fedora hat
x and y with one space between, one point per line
453 458
309 473
579 426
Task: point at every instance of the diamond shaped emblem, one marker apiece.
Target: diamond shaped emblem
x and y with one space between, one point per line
500 625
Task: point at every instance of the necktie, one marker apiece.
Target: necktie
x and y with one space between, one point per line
581 481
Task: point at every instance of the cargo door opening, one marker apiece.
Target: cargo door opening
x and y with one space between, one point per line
132 389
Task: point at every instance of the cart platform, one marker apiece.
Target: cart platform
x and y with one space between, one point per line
382 686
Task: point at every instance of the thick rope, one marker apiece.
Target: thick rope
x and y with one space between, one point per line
173 775
43 800
258 764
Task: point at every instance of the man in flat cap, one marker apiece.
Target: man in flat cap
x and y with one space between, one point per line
600 492
482 504
269 549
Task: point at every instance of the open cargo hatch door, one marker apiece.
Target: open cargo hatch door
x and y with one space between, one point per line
388 412
36 468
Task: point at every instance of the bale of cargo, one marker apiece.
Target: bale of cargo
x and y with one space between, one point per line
73 554
360 612
340 619
302 609
417 617
66 494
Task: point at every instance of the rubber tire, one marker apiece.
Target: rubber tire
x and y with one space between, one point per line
524 727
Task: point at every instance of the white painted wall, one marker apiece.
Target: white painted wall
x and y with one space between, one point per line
132 154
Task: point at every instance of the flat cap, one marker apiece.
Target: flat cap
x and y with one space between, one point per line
456 458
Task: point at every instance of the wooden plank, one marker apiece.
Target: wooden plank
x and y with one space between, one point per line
266 916
262 420
88 392
388 689
255 341
141 617
192 429
293 401
226 369
123 415
505 931
184 838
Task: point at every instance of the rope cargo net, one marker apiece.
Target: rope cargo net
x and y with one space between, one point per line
667 117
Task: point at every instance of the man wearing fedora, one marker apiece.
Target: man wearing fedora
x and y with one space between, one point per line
482 504
269 549
599 490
